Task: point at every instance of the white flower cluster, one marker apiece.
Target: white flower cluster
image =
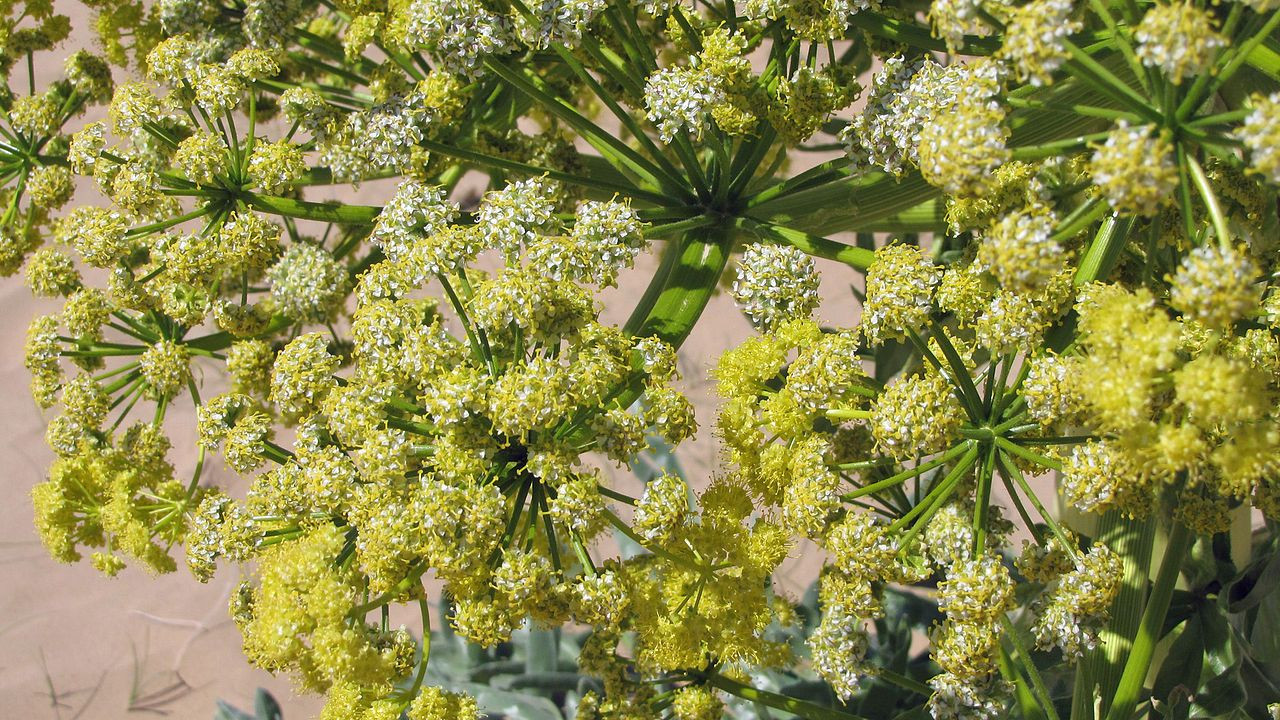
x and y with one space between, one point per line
775 283
904 97
679 98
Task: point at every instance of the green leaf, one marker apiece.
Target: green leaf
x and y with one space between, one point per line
1176 707
1224 690
509 704
1179 674
545 682
225 711
489 670
815 691
1261 688
1258 581
266 706
1265 635
542 649
890 358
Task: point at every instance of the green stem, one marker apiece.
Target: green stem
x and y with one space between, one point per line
1223 118
923 347
938 494
1132 541
1126 47
872 203
602 141
579 549
1011 470
1144 645
680 226
982 503
916 35
418 677
333 212
1037 682
1026 700
1210 199
1079 109
168 222
479 350
814 176
908 474
490 161
415 572
1092 72
1026 454
1080 218
1056 147
903 681
851 255
1239 54
1105 249
622 527
847 414
961 372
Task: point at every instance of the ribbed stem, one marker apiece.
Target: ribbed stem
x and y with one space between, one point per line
1099 672
1138 663
704 254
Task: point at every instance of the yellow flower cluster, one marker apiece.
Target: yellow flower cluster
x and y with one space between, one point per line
1079 279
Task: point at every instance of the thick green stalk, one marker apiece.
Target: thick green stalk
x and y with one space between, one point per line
1265 60
1144 644
851 255
671 305
1104 250
1099 671
703 256
333 212
640 314
868 204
